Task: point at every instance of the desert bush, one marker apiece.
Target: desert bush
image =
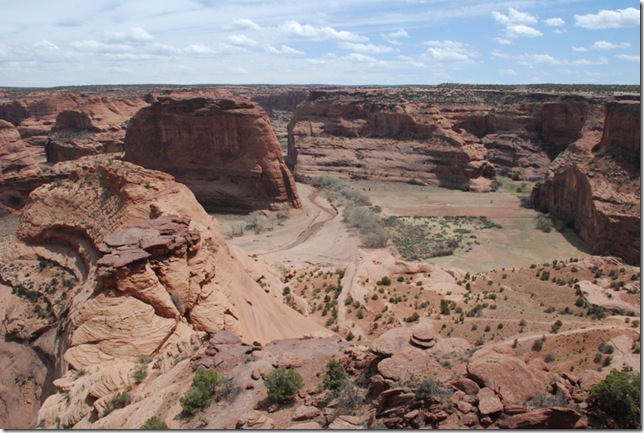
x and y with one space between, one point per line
335 376
618 397
384 281
119 401
430 388
606 348
283 384
199 396
537 345
154 423
258 222
544 223
556 326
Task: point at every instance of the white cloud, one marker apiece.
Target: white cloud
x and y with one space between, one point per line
366 48
294 29
400 33
579 49
629 57
134 34
450 51
246 24
559 31
361 58
514 17
554 22
609 19
503 41
530 59
517 24
45 44
198 49
605 45
242 41
508 72
284 49
393 37
521 30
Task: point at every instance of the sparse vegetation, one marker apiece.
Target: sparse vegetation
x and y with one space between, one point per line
282 384
154 423
199 396
617 397
335 376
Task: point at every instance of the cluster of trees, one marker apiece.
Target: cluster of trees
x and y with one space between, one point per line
357 212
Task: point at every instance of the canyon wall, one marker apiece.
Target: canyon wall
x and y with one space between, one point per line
225 151
118 262
444 137
597 190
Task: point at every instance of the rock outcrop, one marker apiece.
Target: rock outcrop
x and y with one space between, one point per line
224 151
377 136
15 158
440 136
141 270
595 187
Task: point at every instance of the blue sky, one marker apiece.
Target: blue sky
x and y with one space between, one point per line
351 42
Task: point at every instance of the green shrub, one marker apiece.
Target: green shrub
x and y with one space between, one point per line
384 281
618 396
154 423
199 396
537 345
194 400
335 375
119 401
430 388
283 384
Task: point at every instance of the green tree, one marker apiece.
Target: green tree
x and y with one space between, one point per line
283 384
618 396
154 423
199 396
335 375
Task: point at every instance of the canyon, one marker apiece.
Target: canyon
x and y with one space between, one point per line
119 281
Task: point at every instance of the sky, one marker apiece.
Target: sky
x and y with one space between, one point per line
45 43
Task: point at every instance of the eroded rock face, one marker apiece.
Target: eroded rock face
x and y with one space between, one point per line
15 159
376 136
512 378
224 151
148 273
596 188
446 137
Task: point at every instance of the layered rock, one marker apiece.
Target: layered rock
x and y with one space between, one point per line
149 272
441 136
366 135
15 158
225 151
596 188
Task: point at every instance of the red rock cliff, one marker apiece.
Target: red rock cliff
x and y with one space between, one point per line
225 151
598 189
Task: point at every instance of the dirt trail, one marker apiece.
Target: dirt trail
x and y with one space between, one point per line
313 228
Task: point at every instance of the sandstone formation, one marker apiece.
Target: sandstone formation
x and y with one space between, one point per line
440 136
595 186
15 159
140 270
224 151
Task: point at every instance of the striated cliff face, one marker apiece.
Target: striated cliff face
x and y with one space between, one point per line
441 136
366 135
119 262
597 188
15 159
225 151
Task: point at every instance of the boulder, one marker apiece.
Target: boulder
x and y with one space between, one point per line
513 379
548 418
